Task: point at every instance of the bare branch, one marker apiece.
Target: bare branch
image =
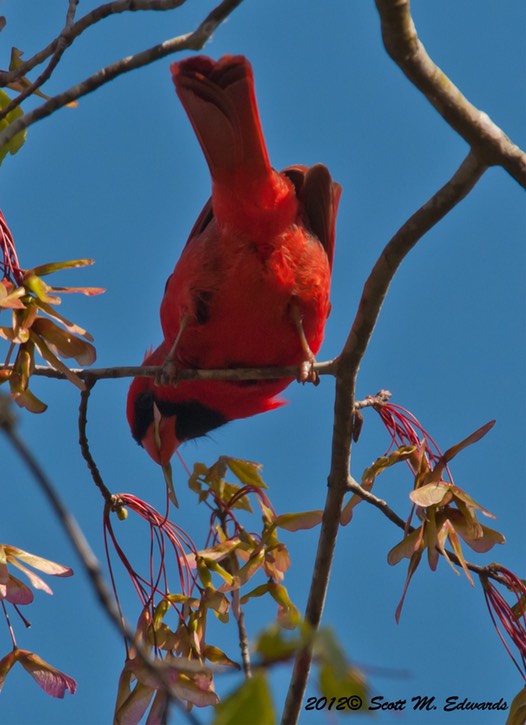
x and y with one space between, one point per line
86 453
371 401
190 41
488 141
348 364
151 371
377 285
72 9
72 529
60 47
74 30
85 554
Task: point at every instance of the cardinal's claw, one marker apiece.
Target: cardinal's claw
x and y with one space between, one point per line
307 374
167 375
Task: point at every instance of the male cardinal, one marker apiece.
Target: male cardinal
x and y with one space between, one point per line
251 288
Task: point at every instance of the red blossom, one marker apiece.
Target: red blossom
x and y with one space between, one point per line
9 264
512 617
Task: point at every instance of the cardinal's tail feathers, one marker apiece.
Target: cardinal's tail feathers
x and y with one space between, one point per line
220 101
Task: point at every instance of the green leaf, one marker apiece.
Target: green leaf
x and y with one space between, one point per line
70 326
517 714
288 615
26 399
247 571
10 297
246 471
348 510
351 681
299 521
486 539
212 565
473 438
448 531
442 462
217 602
328 649
406 548
38 287
50 267
55 362
431 494
250 703
400 454
466 498
277 645
63 343
18 140
259 591
6 664
219 551
218 657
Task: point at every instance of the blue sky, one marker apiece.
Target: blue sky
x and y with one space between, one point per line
121 179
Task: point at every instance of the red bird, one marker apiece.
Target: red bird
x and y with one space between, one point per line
251 288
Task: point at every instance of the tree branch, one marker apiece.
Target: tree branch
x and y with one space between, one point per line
85 553
86 453
73 30
60 46
190 41
70 526
377 285
348 364
485 138
150 371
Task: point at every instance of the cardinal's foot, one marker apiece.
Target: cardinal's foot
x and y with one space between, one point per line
307 373
167 375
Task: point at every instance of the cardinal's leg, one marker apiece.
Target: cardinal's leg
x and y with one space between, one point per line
306 372
168 373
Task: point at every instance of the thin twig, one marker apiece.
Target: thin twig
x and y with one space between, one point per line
84 552
243 640
348 364
484 137
377 285
190 41
70 16
76 29
84 447
61 45
151 371
373 401
70 526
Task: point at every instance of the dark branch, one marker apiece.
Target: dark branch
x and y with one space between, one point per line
72 529
486 139
190 41
348 364
84 552
150 371
73 30
84 447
